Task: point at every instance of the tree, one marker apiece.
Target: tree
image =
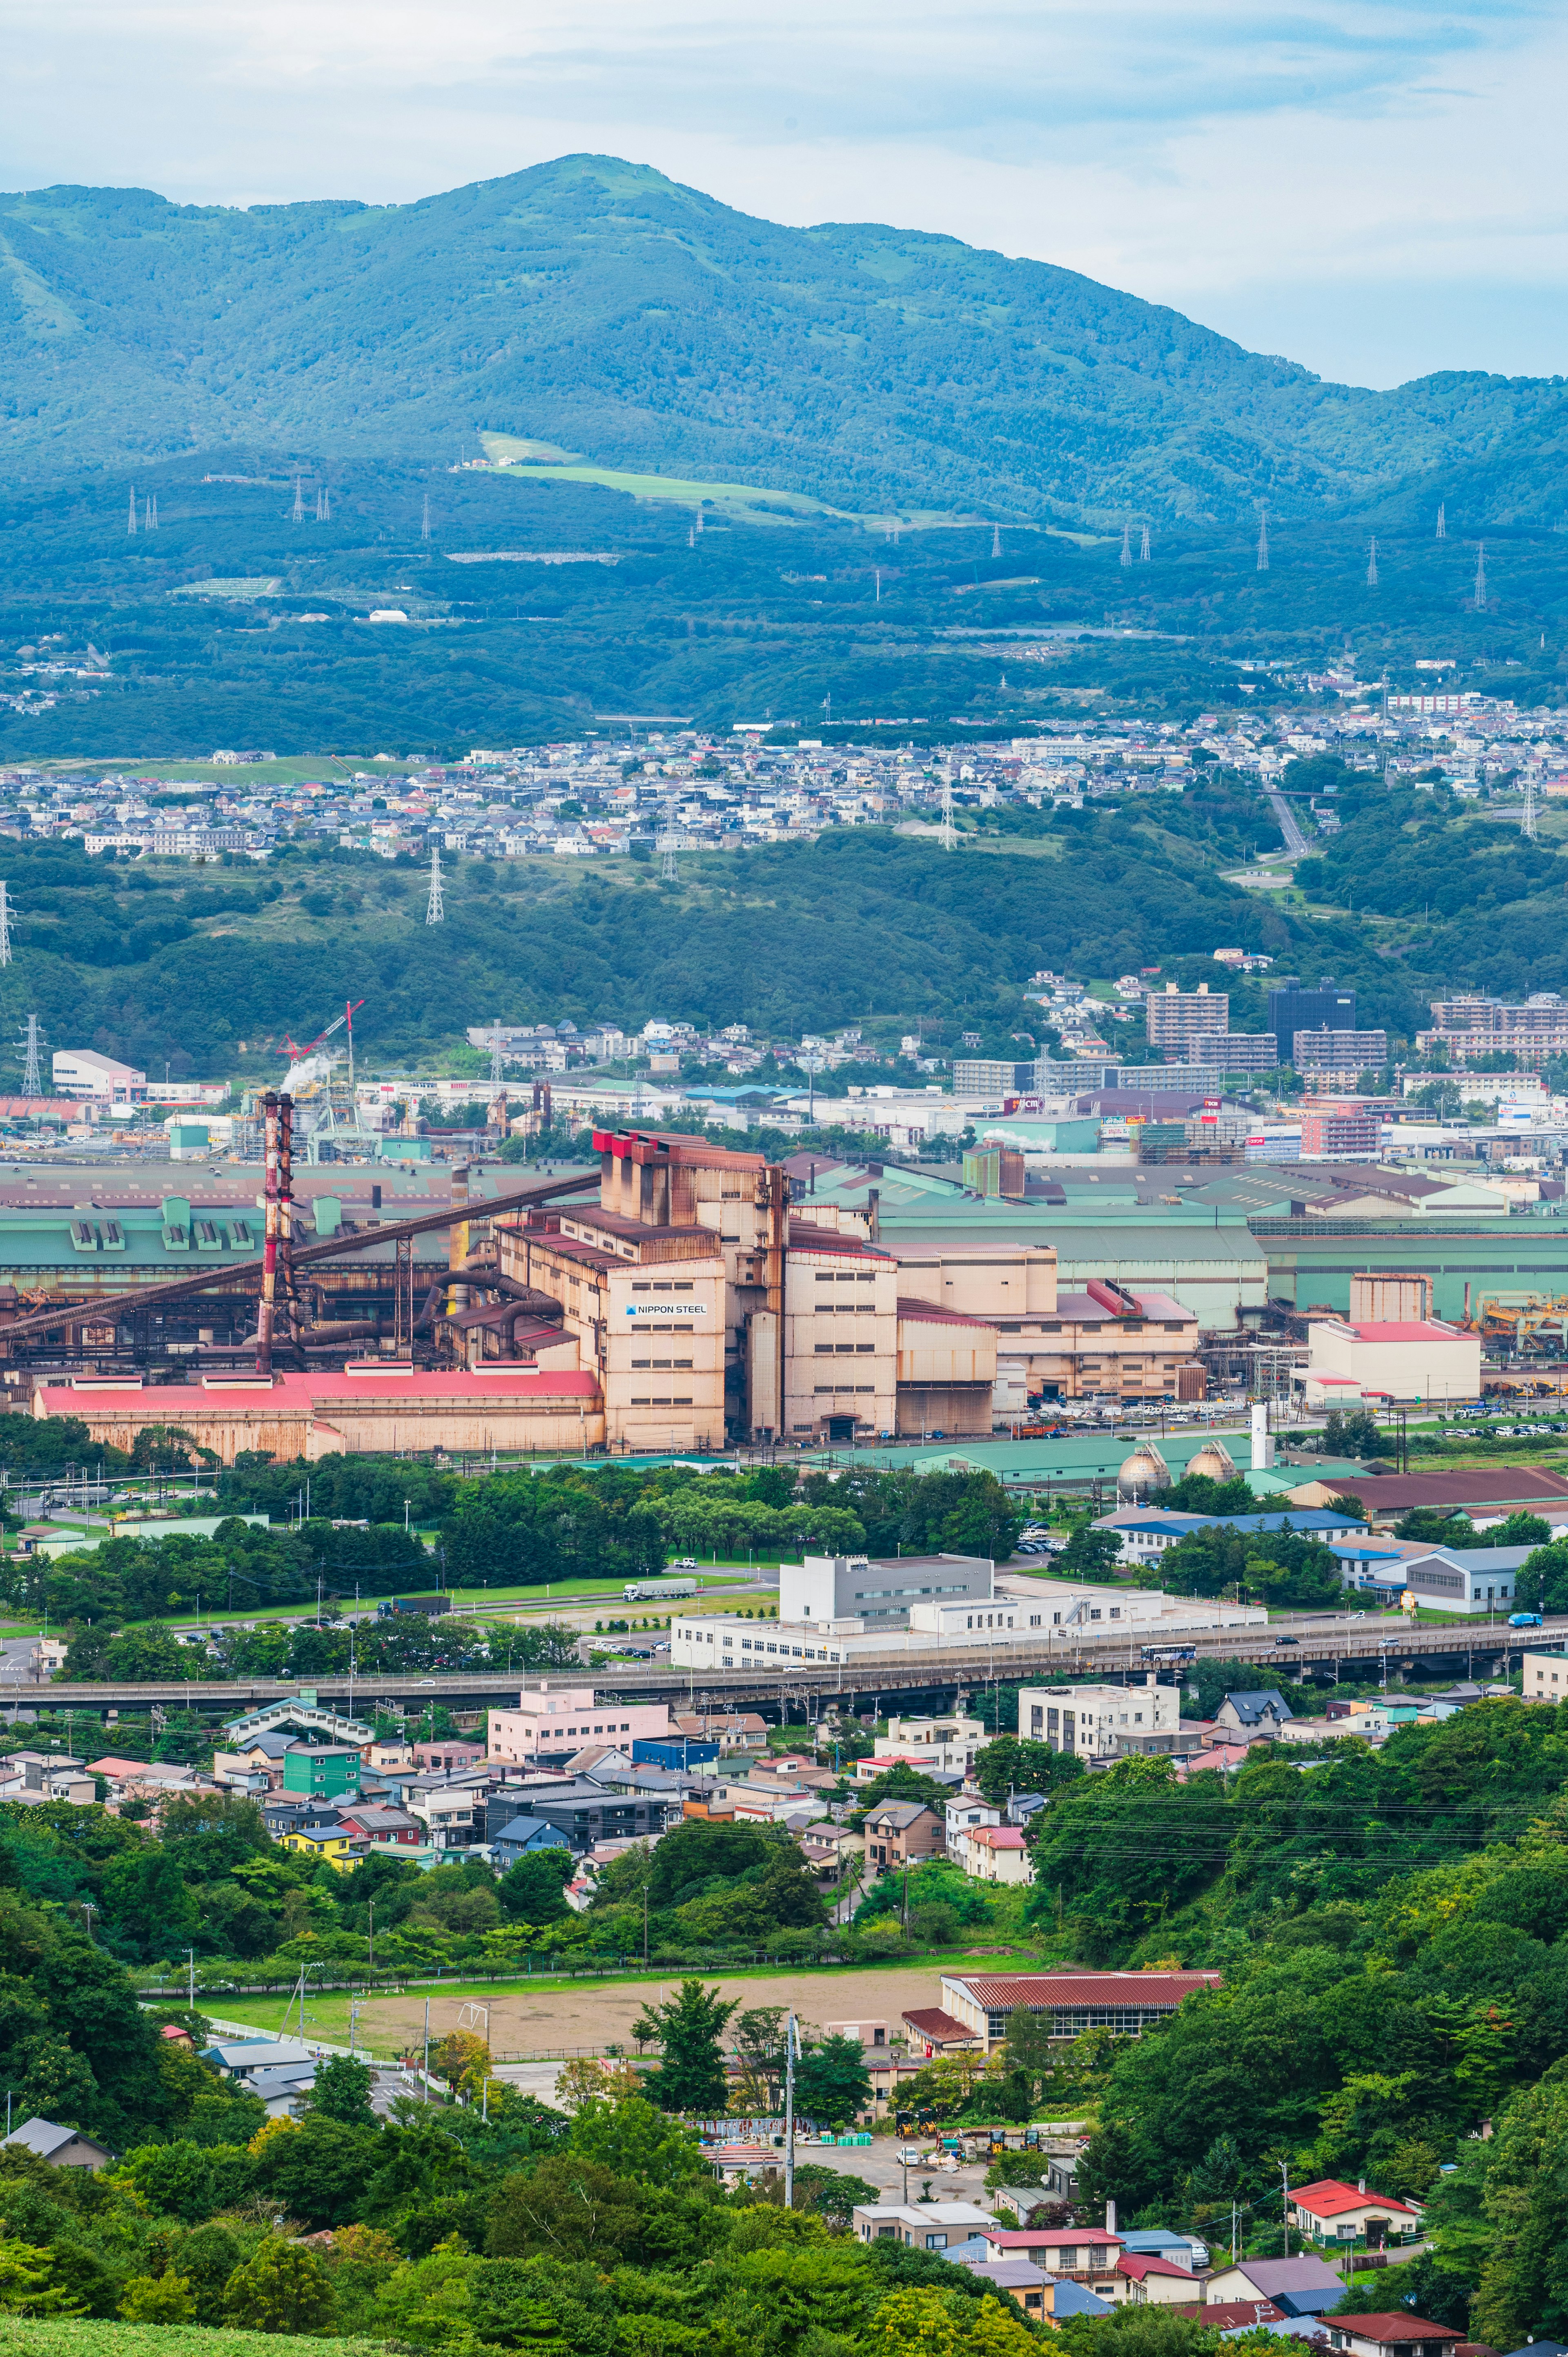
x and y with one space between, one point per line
283 2288
568 2208
832 2085
1542 1582
27 2285
1015 1764
342 2091
633 2139
1354 1435
321 2171
158 2299
690 2027
1438 1525
174 2177
1091 1553
534 1890
1520 1529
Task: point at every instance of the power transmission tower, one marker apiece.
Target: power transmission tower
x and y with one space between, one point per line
299 501
497 1059
322 510
1126 543
950 832
434 913
32 1078
1371 564
1442 521
131 519
699 523
691 535
1263 539
1143 553
150 515
425 519
7 913
1481 578
1527 825
995 540
668 868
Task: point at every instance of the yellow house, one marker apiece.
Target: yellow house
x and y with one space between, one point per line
341 1848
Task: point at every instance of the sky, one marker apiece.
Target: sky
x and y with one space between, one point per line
1372 190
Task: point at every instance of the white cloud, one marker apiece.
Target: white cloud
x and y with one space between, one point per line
1372 189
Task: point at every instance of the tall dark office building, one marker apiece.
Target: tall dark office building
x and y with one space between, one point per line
1293 1009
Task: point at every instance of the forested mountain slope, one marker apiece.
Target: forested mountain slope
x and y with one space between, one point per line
597 304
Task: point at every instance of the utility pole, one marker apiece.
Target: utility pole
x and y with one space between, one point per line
190 1983
790 2116
435 914
1285 2188
427 2049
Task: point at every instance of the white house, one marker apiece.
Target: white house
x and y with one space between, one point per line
1102 1722
994 1854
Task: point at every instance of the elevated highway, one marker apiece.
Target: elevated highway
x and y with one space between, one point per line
1313 1648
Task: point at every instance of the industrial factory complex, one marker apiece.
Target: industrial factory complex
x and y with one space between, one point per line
674 1297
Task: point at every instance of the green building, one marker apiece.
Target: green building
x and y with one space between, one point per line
331 1772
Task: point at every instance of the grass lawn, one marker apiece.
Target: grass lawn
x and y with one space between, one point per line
83 2336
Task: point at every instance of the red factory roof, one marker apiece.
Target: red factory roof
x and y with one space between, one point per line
1407 1329
928 1313
1005 1989
1396 1492
1329 2197
378 1383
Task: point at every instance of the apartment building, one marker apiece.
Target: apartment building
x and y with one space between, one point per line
1534 1030
1178 1018
1102 1722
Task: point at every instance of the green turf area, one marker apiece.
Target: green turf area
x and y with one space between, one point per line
99 2337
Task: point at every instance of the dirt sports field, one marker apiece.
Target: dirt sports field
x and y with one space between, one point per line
580 2017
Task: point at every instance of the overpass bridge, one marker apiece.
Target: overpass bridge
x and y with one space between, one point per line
1305 1649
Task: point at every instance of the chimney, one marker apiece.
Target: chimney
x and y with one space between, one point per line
1110 2217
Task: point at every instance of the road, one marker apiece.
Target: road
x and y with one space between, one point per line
1329 1643
1296 844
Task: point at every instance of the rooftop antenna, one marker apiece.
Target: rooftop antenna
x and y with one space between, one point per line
1442 521
1263 539
425 519
434 913
1126 543
950 832
1144 552
299 501
131 519
995 540
1527 825
1481 577
32 1078
1371 564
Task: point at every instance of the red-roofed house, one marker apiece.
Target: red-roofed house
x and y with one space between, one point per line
1331 2212
1088 2254
994 1854
1125 2002
1229 2318
1150 2282
932 2031
1398 2334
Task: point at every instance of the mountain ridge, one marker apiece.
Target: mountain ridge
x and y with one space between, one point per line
597 304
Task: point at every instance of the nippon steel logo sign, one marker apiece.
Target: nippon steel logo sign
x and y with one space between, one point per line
666 1308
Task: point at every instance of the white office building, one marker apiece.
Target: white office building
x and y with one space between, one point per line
83 1072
